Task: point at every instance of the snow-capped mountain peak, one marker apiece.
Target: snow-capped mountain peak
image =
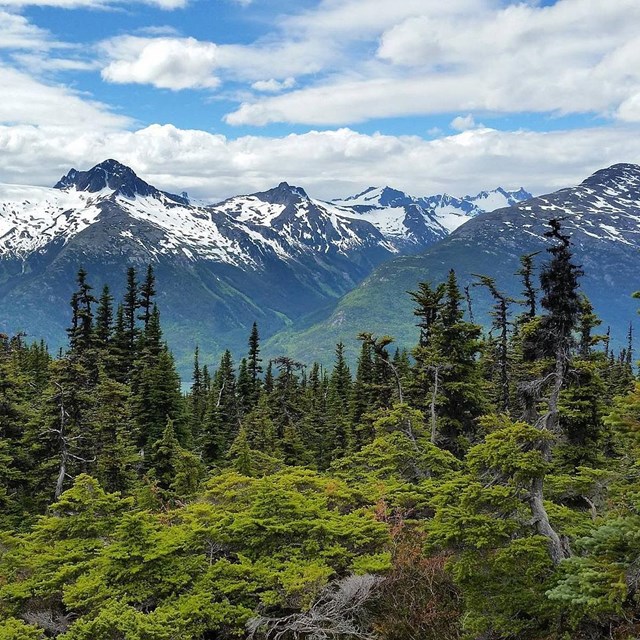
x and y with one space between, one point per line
399 214
375 198
498 198
112 177
284 193
281 223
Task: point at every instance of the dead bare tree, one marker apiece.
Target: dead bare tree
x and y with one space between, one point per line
340 612
65 442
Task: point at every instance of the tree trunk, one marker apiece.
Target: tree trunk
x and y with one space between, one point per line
541 521
549 422
64 453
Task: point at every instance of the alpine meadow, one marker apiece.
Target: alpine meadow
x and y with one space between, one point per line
318 320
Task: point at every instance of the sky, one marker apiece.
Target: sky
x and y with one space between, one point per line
225 97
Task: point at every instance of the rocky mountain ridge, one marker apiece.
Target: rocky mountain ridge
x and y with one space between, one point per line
602 216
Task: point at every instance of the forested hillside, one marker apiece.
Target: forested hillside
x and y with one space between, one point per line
482 485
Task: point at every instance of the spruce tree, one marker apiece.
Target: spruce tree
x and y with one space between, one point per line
338 404
197 398
245 389
147 293
130 306
362 394
104 319
428 306
500 343
224 398
253 363
268 378
121 361
449 375
562 304
529 291
81 330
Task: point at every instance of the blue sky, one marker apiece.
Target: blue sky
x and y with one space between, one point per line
228 96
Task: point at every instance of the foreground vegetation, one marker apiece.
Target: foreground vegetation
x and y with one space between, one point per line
482 486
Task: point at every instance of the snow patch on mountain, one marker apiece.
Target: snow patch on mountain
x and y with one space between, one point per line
33 217
443 213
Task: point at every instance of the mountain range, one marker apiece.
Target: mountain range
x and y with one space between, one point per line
602 216
274 257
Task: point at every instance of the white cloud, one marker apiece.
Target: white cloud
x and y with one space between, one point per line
38 63
28 101
575 56
328 163
366 18
16 32
463 123
629 110
273 85
187 63
166 63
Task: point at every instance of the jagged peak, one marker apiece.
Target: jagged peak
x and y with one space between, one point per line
284 193
114 176
377 197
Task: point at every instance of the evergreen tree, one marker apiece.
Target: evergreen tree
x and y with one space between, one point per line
81 330
177 471
253 363
260 429
225 398
104 319
529 291
114 434
147 293
197 398
562 304
15 413
287 410
338 404
121 363
501 324
428 307
268 379
448 373
156 394
130 306
362 393
245 388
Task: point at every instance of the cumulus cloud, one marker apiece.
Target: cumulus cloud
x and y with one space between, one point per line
187 63
574 56
327 163
463 123
166 63
273 85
